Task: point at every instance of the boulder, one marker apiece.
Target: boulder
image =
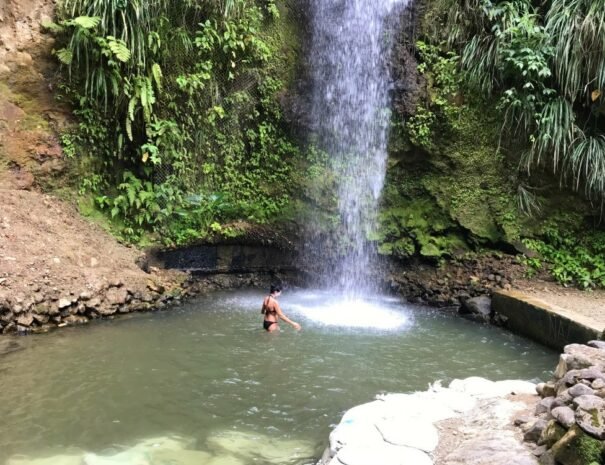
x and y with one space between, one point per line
546 389
597 344
580 390
25 319
403 432
578 356
562 400
544 405
75 319
590 415
535 430
477 308
564 415
552 433
64 303
117 296
598 384
576 448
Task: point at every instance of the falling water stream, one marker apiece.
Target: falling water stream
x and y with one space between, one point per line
349 56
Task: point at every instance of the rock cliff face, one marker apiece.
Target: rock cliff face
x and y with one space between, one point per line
29 117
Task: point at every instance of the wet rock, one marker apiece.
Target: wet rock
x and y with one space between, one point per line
477 308
552 433
75 320
106 310
597 344
534 432
538 451
93 303
590 415
155 287
522 420
544 405
598 384
579 356
580 390
589 402
564 415
546 390
41 318
547 458
64 303
117 296
25 320
569 450
573 376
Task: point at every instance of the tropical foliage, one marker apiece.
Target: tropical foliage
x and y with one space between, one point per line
544 62
176 103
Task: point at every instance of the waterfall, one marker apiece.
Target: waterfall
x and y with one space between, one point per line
349 61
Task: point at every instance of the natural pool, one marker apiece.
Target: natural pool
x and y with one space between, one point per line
154 388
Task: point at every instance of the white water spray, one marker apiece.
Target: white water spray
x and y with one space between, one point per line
351 82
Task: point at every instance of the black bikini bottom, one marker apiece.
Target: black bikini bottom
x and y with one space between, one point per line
268 324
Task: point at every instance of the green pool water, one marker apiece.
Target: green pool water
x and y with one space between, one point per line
206 374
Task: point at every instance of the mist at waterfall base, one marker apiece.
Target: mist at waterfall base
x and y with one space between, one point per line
349 54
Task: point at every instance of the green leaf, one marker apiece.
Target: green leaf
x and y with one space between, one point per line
156 72
65 56
119 49
86 22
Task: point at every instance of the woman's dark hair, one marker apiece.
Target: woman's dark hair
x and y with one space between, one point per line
275 288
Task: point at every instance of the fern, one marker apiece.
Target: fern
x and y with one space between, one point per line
86 22
118 48
65 56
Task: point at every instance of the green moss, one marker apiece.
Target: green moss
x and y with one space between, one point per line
589 449
32 118
471 180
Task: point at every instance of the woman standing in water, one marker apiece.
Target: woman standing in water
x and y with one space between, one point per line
273 313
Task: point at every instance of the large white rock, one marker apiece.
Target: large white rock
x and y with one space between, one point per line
409 432
425 405
363 433
384 454
371 411
483 388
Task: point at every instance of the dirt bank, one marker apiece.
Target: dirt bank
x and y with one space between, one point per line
57 268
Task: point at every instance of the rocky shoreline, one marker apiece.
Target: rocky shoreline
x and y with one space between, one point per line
480 422
467 423
568 424
42 310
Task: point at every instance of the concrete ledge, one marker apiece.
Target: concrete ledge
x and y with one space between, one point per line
548 324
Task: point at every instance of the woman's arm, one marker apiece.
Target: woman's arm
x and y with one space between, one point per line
281 315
